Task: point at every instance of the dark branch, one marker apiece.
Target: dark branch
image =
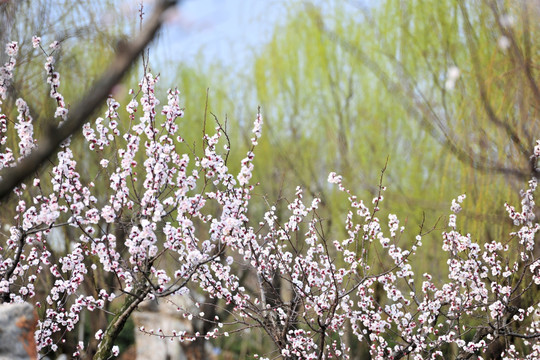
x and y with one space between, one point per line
94 97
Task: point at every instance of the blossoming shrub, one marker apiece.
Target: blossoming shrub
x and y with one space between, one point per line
172 223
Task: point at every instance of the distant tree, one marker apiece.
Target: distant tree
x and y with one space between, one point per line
445 89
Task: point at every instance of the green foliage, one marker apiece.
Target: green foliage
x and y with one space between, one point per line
344 87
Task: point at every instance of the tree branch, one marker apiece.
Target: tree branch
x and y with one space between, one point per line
94 97
117 324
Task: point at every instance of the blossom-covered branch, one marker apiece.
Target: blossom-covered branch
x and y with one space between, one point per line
80 112
168 223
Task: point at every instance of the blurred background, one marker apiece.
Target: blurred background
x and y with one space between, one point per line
444 94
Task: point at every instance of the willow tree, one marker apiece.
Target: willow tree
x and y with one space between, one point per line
444 89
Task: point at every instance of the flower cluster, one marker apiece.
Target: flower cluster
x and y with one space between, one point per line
169 223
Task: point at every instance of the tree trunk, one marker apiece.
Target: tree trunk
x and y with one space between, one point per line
117 324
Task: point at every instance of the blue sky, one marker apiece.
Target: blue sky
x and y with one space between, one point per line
220 30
